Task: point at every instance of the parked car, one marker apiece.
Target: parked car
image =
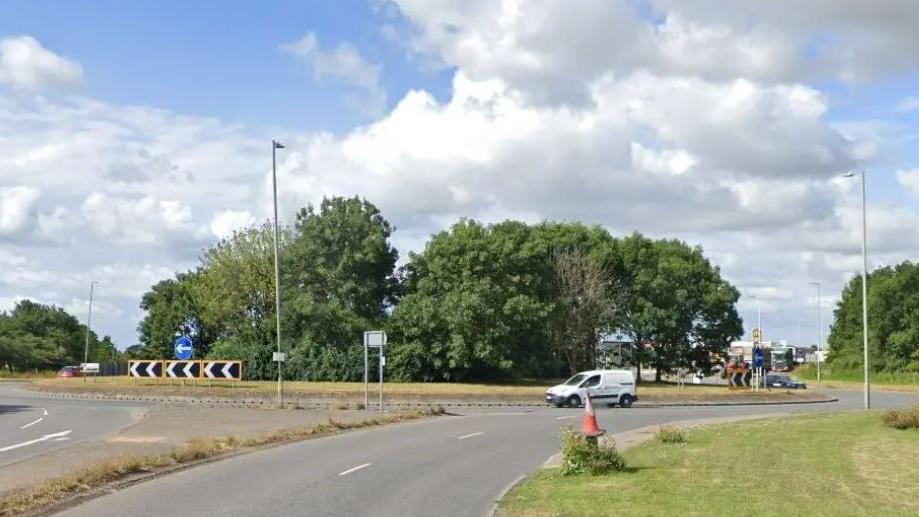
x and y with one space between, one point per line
783 380
605 386
70 371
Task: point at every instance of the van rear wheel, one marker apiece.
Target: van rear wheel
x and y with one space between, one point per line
574 401
625 401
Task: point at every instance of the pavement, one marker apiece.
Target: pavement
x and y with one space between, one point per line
451 466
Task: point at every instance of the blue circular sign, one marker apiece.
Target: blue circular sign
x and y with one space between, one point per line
183 348
758 357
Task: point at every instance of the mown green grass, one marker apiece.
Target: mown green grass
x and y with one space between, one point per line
831 464
838 378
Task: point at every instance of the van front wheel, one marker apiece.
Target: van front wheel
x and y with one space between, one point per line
625 401
574 401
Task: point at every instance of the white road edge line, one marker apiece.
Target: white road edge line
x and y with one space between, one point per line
470 435
565 417
30 424
30 442
359 467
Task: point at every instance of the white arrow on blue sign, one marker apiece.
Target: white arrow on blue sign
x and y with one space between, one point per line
183 348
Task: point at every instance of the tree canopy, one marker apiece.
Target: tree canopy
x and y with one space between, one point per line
39 336
893 321
478 302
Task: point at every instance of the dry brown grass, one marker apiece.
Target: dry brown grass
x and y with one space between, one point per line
82 481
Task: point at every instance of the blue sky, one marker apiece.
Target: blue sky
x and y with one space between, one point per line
134 134
220 58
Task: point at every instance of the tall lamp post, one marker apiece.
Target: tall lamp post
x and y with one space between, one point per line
89 321
819 331
864 283
275 145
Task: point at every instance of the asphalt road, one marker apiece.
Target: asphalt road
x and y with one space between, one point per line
451 466
32 425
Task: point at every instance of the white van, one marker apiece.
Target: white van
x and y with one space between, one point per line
606 387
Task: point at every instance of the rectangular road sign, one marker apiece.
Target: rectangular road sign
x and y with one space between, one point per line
89 367
144 368
374 338
183 369
222 370
278 357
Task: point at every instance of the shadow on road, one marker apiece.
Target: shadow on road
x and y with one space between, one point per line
14 408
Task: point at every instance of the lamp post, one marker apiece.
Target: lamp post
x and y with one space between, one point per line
867 394
819 331
89 321
275 145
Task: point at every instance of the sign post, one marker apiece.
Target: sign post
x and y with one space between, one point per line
374 339
758 355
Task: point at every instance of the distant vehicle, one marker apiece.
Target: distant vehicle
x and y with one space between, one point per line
606 386
782 380
70 371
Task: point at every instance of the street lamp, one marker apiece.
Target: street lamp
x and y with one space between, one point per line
89 321
864 283
759 311
819 331
275 145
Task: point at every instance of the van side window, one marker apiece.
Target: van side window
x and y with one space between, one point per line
593 381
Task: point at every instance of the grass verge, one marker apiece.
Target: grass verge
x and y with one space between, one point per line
828 464
853 379
87 479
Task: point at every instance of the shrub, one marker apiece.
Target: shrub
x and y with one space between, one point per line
902 418
582 456
668 434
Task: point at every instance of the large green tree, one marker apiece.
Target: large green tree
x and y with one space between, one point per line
676 302
172 309
35 336
893 321
338 281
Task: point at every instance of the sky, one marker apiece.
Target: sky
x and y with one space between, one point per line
135 134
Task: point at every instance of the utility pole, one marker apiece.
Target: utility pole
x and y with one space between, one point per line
89 321
275 145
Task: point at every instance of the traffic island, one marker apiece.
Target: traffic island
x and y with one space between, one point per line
861 467
350 395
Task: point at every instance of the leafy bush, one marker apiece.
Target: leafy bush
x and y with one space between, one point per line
902 418
668 434
581 456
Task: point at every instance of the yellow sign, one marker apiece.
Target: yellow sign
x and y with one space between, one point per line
757 336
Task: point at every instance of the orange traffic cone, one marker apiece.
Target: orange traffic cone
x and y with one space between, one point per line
589 426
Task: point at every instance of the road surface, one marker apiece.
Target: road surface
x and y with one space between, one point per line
31 425
450 466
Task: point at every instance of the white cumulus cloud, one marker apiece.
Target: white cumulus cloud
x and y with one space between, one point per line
25 64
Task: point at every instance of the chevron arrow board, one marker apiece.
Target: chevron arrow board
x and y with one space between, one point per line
145 368
183 369
225 370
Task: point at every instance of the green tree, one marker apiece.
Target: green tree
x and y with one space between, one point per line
234 288
893 317
677 301
337 282
171 309
35 336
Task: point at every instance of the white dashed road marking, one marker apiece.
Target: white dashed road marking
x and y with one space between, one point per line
359 467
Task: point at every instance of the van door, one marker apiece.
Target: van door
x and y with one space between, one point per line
591 385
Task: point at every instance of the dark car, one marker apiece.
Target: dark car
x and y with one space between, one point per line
781 380
70 371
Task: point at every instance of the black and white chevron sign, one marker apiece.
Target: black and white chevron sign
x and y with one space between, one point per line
183 369
145 368
227 370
